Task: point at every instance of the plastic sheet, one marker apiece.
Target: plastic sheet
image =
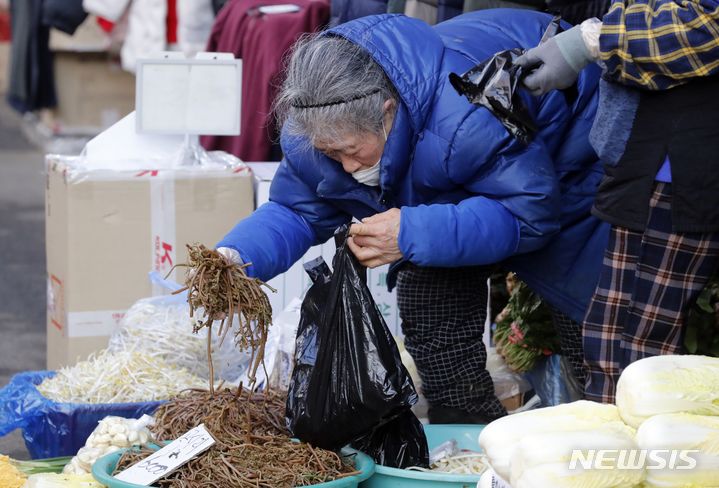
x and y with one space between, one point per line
349 380
120 151
162 327
507 383
52 429
493 84
280 349
554 382
111 435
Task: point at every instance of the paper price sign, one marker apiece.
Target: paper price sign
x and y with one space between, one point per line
169 458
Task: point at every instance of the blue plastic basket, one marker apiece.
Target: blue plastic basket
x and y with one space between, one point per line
53 429
467 437
104 467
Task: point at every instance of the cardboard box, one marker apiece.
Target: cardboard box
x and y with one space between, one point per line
513 402
93 92
105 230
88 37
294 282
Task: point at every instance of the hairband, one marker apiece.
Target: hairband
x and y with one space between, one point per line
334 102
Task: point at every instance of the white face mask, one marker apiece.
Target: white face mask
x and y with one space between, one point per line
370 176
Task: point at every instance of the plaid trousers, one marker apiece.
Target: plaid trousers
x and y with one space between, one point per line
443 311
648 282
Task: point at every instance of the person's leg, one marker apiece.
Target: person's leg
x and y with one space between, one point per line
607 314
672 270
443 311
570 341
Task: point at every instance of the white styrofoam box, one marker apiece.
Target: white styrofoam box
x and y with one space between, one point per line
295 281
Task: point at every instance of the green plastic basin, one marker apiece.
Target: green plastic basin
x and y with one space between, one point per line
467 438
104 467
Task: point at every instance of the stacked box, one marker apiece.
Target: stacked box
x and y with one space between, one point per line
105 230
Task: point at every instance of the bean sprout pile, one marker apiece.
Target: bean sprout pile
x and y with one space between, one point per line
463 463
118 378
161 328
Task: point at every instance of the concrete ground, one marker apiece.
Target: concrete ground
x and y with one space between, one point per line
22 260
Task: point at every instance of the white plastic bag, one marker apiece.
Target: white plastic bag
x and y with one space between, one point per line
111 434
421 408
162 327
507 383
280 348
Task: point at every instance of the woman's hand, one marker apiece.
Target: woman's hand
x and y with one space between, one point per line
375 241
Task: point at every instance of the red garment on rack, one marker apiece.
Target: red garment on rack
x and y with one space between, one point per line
5 26
261 40
105 25
171 27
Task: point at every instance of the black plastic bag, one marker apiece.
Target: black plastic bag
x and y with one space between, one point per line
493 84
554 381
400 443
349 379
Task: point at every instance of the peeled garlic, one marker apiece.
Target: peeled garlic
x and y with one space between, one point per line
120 440
132 437
116 429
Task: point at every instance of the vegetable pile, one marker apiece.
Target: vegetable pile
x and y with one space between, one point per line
525 331
665 427
464 462
533 449
668 384
682 431
253 448
449 458
10 476
221 289
50 480
116 378
41 473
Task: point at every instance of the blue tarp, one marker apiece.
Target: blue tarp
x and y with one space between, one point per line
52 429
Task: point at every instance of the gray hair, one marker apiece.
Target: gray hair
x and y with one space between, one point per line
332 88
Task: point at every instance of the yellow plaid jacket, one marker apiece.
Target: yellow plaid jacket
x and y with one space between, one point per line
660 44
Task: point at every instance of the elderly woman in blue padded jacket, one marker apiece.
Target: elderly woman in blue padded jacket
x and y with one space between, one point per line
373 130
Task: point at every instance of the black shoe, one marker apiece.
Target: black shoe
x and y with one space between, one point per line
452 415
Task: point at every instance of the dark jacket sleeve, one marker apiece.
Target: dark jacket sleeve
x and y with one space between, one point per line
64 15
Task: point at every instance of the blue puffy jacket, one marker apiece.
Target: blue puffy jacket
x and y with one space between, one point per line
469 193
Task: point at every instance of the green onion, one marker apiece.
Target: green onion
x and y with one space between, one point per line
50 465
